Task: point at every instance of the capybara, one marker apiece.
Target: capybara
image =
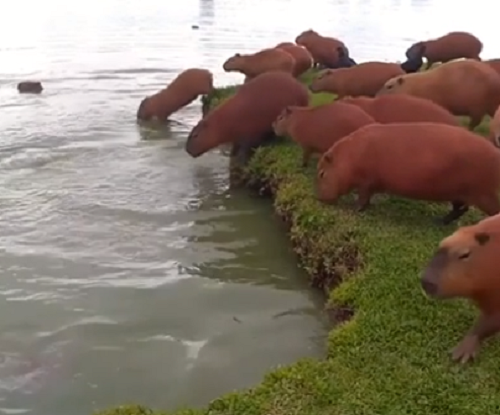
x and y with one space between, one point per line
494 63
246 118
323 49
302 57
418 160
364 79
397 108
466 265
316 129
254 64
453 45
495 128
30 87
467 87
183 90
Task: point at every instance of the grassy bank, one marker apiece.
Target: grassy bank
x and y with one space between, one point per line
392 356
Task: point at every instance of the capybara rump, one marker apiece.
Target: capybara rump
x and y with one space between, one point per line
303 59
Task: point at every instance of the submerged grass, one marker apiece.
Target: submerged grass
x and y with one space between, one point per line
392 356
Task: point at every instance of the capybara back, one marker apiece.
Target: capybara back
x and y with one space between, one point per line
254 64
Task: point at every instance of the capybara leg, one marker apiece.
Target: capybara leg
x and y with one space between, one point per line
457 211
306 156
474 122
363 200
488 204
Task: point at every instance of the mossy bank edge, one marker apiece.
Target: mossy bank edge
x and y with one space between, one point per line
392 356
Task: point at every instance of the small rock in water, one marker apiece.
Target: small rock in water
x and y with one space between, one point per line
195 26
30 87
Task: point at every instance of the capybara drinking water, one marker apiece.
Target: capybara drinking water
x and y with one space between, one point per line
425 161
30 87
364 79
183 90
495 128
467 87
467 265
316 129
325 50
397 108
302 57
245 119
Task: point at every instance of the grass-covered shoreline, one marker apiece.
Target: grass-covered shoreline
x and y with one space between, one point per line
392 356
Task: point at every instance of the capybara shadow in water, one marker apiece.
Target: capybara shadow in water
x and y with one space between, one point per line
422 161
245 119
467 87
364 79
398 108
316 129
183 90
453 45
324 49
466 265
254 64
303 59
494 128
30 87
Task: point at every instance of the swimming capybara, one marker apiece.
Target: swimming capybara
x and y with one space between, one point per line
467 87
453 45
467 265
397 108
418 160
183 90
324 50
30 87
245 119
316 129
302 57
494 128
364 79
254 64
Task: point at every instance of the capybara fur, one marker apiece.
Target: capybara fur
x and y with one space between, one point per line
183 90
303 59
418 160
254 64
466 265
30 87
494 128
246 118
494 63
466 87
323 49
316 129
364 79
398 108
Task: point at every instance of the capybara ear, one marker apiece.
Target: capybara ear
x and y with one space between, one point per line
482 238
237 55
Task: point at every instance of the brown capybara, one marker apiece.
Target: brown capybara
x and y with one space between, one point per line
397 108
245 119
254 64
495 128
418 160
467 87
324 50
183 90
494 63
316 129
279 45
364 79
30 87
467 265
302 57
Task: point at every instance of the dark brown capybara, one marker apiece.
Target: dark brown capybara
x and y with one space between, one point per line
398 108
30 87
325 50
364 79
303 59
494 63
316 129
183 90
467 87
246 118
453 45
467 265
418 160
494 128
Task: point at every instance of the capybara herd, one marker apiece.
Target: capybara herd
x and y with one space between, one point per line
382 127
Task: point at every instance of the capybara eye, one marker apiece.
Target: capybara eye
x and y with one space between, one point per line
464 255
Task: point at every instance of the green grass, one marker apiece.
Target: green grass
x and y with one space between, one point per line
392 357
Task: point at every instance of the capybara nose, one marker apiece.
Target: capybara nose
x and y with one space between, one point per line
429 287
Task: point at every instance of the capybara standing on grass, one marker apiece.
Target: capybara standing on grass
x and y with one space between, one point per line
424 161
303 59
495 128
183 90
397 108
316 129
467 265
364 79
245 119
466 87
325 50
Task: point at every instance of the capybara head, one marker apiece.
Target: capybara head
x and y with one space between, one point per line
233 63
304 36
204 136
344 60
318 83
393 85
329 183
30 87
280 125
144 112
415 51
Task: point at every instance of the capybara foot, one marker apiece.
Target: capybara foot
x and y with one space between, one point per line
457 211
29 87
363 200
467 349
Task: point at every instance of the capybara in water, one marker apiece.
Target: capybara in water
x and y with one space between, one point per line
364 79
246 118
467 87
316 129
324 50
467 265
302 57
494 63
453 45
495 128
397 108
418 160
183 90
30 87
254 64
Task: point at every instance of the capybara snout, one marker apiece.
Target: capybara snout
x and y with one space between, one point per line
431 275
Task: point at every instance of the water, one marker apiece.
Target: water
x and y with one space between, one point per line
129 272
